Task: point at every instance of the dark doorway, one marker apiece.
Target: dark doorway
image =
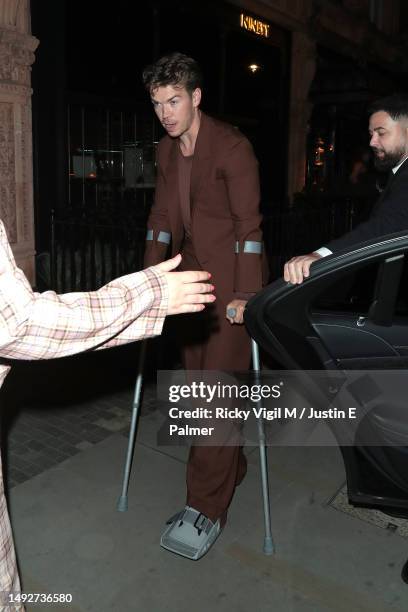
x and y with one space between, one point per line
255 101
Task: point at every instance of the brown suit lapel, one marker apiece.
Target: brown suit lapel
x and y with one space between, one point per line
202 157
201 168
173 193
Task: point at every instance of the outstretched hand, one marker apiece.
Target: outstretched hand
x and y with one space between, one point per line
188 291
298 268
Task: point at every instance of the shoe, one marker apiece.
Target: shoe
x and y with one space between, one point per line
190 534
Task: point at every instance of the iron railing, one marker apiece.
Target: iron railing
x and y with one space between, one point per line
90 247
308 226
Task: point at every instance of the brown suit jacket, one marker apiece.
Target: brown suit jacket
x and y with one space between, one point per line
224 207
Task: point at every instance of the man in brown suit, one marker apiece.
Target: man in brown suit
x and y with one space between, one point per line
206 206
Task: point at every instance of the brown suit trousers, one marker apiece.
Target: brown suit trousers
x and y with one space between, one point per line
210 342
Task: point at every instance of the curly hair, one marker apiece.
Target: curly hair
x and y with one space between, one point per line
174 69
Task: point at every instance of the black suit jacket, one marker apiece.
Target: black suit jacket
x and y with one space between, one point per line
389 215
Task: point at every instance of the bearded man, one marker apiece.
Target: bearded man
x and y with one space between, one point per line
388 129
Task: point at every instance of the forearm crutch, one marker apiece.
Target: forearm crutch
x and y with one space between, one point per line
122 505
268 546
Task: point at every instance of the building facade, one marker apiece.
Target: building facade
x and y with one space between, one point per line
294 75
364 38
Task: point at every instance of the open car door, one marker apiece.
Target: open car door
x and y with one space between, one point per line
298 327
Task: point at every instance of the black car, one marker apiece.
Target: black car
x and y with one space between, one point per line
350 314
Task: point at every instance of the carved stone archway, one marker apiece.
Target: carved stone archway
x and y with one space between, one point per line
17 48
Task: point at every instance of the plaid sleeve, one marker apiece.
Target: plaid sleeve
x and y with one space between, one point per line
37 326
40 326
9 578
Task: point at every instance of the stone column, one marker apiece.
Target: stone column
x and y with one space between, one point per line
303 70
17 48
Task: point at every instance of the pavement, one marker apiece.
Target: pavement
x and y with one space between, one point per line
65 431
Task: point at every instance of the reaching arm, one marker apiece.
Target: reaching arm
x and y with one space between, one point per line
41 326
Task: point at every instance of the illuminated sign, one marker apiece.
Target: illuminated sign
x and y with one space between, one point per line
256 26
